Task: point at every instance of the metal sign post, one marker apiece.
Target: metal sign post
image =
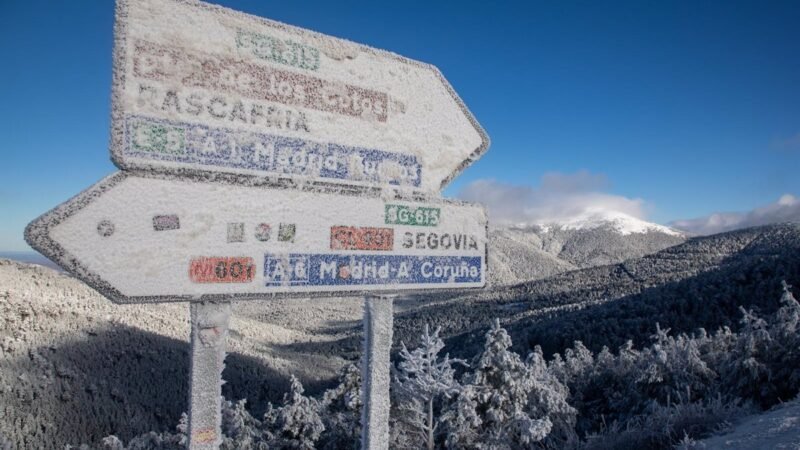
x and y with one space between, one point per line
263 160
209 335
378 323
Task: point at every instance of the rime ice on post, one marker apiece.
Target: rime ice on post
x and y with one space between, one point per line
209 333
378 322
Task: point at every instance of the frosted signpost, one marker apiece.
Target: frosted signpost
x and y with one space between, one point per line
262 160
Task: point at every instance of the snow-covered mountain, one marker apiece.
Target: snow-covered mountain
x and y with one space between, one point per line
622 223
528 252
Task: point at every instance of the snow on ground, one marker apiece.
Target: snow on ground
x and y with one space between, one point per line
776 429
74 367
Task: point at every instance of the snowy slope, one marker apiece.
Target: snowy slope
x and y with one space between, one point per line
776 429
532 252
74 367
518 255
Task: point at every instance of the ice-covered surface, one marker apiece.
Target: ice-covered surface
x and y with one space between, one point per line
378 325
143 239
777 429
206 88
210 326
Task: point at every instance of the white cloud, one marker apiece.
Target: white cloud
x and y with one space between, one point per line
786 209
558 198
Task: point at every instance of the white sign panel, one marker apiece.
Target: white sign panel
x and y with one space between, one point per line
148 239
200 88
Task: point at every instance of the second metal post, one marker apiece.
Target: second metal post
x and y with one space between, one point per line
378 327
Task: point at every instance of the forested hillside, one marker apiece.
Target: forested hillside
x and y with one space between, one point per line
669 393
700 283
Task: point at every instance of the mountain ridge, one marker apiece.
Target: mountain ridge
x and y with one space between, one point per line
537 251
741 263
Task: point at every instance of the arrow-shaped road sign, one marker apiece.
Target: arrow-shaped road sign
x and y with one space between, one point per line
201 89
151 238
256 157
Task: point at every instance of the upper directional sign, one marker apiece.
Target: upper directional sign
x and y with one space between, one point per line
161 238
200 88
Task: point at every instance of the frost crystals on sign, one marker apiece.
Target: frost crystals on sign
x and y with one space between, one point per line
286 232
263 232
164 223
105 228
236 232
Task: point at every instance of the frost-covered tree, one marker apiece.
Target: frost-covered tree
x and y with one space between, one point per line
787 319
504 404
586 382
601 387
746 373
5 444
422 381
548 398
672 366
341 412
464 424
784 356
240 430
577 368
297 423
151 440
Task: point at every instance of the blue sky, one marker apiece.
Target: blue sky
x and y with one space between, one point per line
685 108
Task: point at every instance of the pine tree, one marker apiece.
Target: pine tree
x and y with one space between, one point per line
787 319
578 366
502 400
423 380
296 424
241 430
548 398
745 374
341 412
464 425
672 366
784 356
150 440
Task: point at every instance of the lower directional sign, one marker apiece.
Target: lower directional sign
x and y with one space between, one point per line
139 238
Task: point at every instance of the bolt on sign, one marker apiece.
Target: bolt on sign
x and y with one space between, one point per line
199 89
153 238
